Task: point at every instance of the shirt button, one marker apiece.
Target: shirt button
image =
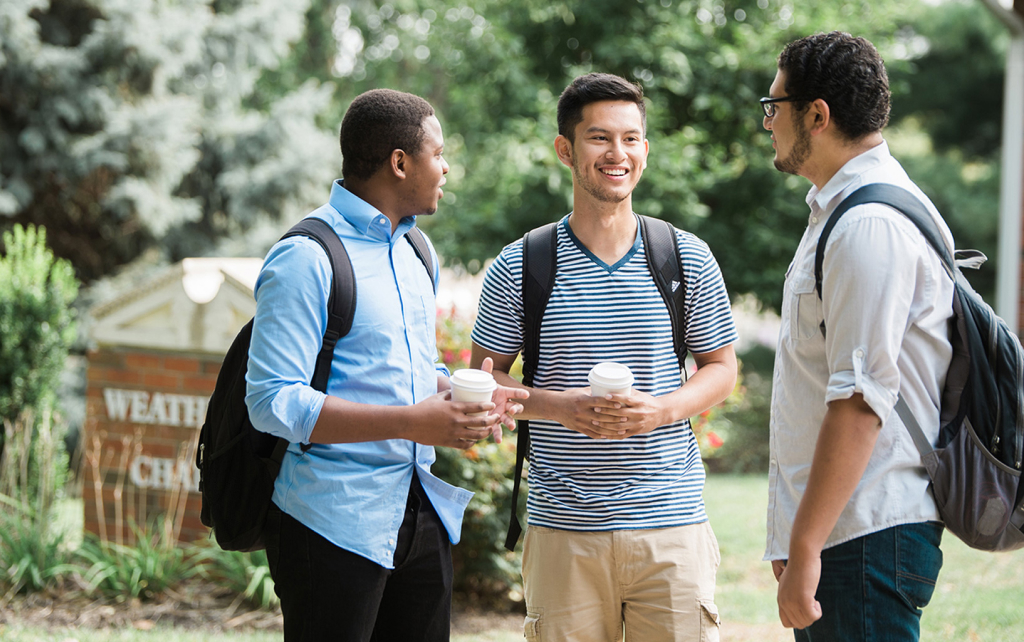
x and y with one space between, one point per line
814 219
391 542
860 354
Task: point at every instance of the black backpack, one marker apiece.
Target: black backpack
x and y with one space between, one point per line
975 468
238 463
540 261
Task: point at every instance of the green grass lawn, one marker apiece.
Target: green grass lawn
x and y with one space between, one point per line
977 599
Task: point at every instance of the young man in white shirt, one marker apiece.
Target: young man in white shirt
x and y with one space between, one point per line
853 531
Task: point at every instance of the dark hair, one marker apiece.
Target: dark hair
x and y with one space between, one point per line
377 123
593 88
847 73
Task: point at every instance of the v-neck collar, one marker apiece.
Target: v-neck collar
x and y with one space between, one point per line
610 268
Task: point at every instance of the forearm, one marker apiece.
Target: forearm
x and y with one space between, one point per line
346 422
845 443
709 386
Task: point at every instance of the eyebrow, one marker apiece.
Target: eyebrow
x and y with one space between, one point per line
602 130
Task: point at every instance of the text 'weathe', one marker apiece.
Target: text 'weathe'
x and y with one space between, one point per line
161 409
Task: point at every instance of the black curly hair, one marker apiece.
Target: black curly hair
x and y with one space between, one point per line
847 73
378 122
593 88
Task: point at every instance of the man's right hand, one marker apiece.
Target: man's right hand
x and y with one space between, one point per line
439 422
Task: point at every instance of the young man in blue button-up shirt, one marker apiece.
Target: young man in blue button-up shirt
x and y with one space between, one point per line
360 546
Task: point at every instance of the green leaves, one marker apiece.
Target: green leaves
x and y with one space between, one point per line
37 323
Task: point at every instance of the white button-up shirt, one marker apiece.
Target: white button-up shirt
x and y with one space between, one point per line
886 300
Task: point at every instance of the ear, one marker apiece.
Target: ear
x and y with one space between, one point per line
647 150
564 150
396 163
818 116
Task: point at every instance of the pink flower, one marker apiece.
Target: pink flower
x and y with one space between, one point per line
449 356
714 440
465 355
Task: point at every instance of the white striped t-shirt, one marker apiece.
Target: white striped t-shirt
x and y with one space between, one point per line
599 312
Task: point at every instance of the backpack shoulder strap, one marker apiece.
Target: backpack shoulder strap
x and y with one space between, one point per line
341 306
910 206
896 198
662 252
419 245
540 263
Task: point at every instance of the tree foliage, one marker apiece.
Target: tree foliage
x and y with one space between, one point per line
494 70
196 126
126 125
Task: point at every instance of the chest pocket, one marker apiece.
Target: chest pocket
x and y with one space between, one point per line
805 306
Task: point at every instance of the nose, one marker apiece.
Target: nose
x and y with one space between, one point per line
615 150
767 123
444 166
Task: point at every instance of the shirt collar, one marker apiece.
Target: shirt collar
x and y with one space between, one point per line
848 174
365 217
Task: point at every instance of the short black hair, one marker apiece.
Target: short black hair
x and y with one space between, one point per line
593 88
378 122
844 71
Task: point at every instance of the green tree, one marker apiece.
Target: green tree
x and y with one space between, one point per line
494 69
128 125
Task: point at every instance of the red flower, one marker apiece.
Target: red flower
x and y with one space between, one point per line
714 440
465 354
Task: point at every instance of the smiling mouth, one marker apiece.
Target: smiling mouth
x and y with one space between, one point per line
613 172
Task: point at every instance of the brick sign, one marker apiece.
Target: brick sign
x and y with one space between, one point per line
145 410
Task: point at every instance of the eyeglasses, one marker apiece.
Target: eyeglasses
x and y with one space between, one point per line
768 104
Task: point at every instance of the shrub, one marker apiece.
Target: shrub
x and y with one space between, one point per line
246 574
742 423
37 323
484 570
32 557
143 570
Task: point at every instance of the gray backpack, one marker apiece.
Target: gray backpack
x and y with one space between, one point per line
975 468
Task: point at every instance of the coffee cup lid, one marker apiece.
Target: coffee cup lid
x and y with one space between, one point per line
611 374
473 379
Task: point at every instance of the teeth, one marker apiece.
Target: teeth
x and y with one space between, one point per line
614 172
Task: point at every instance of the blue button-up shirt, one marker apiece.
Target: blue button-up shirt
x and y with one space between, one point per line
354 495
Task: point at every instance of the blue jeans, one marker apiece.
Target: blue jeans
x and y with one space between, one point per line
872 589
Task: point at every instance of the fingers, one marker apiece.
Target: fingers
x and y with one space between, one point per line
777 567
487 365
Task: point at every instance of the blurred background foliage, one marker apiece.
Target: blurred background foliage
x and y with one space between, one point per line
155 130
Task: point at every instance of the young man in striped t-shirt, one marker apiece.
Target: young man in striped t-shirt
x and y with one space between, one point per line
617 531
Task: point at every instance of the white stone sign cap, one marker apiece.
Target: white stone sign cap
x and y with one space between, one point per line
197 305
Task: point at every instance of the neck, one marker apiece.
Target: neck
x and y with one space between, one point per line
832 157
379 196
607 232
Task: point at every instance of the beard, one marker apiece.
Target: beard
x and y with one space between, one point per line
792 163
603 195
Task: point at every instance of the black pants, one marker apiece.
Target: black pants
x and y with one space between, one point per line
328 593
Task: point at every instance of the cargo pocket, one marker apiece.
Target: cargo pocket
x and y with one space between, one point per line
709 621
531 626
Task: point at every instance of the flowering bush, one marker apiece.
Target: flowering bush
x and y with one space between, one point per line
712 427
484 570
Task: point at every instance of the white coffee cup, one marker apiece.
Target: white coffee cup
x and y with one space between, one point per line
609 377
469 384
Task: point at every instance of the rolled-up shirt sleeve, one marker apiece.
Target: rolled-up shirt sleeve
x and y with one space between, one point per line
291 316
866 305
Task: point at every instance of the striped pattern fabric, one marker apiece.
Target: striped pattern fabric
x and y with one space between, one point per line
600 313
